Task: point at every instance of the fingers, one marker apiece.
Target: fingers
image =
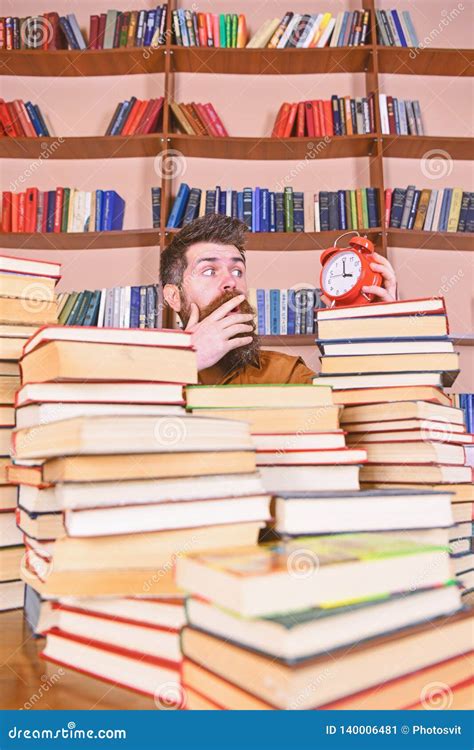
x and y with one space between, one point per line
235 329
236 318
378 291
235 343
226 308
386 271
193 317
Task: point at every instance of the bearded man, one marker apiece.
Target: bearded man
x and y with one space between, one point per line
203 274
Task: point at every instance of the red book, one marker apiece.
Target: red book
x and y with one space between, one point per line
221 131
280 120
131 117
6 119
28 126
2 33
144 117
134 120
15 211
202 32
6 211
328 121
318 125
391 115
102 24
31 199
58 209
204 114
300 120
372 112
94 32
150 122
15 120
21 212
308 109
291 120
209 29
388 206
56 40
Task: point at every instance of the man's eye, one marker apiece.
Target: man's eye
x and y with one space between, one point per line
237 272
208 272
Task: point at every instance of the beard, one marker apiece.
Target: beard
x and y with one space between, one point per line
243 355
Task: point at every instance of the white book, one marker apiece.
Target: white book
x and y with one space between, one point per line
312 27
337 29
78 211
430 211
202 204
384 124
126 312
326 33
228 202
283 311
116 308
267 311
406 30
317 218
87 211
437 212
101 316
288 31
263 35
122 323
93 211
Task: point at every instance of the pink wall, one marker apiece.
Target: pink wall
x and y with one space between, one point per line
247 105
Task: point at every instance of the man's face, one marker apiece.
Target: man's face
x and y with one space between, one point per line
213 271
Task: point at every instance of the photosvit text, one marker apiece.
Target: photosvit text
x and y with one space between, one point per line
391 729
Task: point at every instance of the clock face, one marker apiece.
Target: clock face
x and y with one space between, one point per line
341 273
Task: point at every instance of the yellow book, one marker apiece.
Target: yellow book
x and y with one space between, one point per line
422 209
455 210
324 22
261 38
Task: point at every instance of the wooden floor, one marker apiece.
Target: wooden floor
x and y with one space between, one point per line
29 682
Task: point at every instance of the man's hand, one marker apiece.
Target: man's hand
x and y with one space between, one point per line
213 337
388 291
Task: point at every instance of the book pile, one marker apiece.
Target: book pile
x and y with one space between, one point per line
198 119
340 115
346 209
62 210
193 29
269 627
309 30
46 31
285 311
132 28
136 117
395 29
19 119
300 445
400 116
27 300
118 307
447 210
388 364
121 483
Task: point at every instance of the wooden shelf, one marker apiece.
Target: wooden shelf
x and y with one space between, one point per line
425 62
273 148
80 240
91 62
270 61
430 240
463 339
306 339
416 146
83 147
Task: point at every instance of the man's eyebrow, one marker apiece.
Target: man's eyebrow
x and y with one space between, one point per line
236 259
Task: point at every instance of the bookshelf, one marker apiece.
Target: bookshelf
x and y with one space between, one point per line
372 62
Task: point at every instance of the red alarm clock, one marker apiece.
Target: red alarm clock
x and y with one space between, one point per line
345 270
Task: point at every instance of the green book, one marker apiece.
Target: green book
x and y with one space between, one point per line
365 210
354 210
72 317
235 24
66 194
90 318
83 308
288 208
347 204
222 34
228 29
64 314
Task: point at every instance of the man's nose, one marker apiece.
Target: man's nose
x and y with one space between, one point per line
228 282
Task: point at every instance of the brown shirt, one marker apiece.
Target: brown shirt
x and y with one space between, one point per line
271 367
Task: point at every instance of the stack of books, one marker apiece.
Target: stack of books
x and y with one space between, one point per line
340 115
117 307
389 364
62 210
270 627
198 119
19 119
395 29
193 29
136 117
447 210
309 30
299 445
121 483
135 28
400 116
281 312
27 300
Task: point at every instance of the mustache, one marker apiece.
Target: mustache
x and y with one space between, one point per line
244 308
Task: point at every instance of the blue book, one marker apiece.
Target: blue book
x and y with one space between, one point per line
210 206
463 212
396 114
336 115
280 212
411 29
34 118
76 31
68 33
265 210
149 27
261 312
135 307
40 118
413 209
222 202
275 312
50 210
192 207
272 212
258 209
183 28
298 211
254 210
443 215
341 201
247 201
179 207
399 28
324 210
156 206
240 205
396 211
345 20
470 214
122 115
99 202
372 207
113 211
291 314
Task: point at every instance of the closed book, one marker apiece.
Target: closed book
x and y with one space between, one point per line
422 210
179 206
454 210
396 213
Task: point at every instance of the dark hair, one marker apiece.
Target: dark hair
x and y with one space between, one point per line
223 230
